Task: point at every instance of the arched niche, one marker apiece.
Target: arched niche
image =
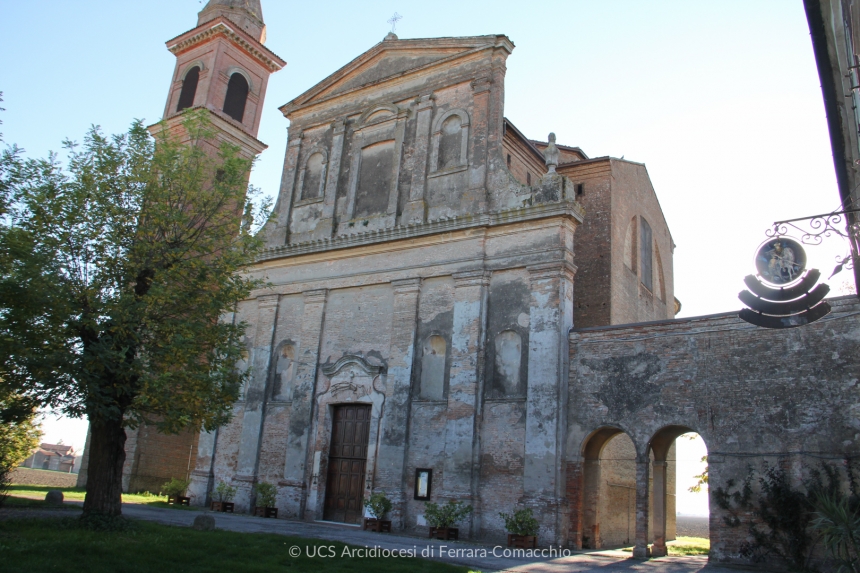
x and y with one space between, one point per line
283 371
433 361
508 346
313 175
378 114
450 143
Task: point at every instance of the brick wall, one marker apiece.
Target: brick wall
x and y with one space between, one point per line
753 394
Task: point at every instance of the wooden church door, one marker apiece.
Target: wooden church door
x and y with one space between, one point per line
347 463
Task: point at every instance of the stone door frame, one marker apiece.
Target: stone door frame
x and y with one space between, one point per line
350 380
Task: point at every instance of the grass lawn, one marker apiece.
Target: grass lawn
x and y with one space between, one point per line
689 546
686 546
46 545
34 496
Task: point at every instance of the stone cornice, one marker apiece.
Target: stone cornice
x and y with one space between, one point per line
222 26
443 225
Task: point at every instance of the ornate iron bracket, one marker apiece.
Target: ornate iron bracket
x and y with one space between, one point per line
824 226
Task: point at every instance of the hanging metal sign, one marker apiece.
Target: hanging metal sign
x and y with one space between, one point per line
783 295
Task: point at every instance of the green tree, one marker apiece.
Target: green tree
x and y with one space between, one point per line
19 436
116 268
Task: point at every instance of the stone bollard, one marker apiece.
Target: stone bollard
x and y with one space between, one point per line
204 523
54 497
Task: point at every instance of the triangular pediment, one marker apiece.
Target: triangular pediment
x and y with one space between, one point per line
395 58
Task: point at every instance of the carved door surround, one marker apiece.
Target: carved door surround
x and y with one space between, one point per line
353 379
377 124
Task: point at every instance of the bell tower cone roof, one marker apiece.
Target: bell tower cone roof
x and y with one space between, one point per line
248 14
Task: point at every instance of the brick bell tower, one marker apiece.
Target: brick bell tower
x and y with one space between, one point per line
221 66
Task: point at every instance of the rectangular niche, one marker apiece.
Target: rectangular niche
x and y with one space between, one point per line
375 179
423 483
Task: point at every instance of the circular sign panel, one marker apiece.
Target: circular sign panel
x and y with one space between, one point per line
780 261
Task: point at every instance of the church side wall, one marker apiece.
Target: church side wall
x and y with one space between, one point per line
633 197
593 302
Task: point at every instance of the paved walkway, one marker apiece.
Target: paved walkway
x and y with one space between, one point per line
485 558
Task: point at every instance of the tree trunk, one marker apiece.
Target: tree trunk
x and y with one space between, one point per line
104 476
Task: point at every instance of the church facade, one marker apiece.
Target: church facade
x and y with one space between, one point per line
454 311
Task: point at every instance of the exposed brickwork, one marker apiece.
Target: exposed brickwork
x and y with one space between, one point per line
159 457
753 394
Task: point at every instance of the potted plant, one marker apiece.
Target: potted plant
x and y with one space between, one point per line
522 528
443 518
223 497
266 498
175 491
377 505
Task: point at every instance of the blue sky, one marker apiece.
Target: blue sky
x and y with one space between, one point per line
721 100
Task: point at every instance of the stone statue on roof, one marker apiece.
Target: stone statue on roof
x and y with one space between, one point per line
550 154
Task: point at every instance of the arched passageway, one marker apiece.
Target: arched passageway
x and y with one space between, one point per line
662 489
628 491
609 492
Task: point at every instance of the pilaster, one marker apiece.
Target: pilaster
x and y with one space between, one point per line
549 322
301 409
478 158
255 392
391 462
399 137
326 226
460 473
202 477
278 231
416 209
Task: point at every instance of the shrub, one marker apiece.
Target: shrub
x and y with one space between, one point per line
175 487
5 482
779 516
447 515
378 505
837 521
521 522
224 492
266 494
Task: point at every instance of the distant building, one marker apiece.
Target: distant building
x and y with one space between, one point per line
56 457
